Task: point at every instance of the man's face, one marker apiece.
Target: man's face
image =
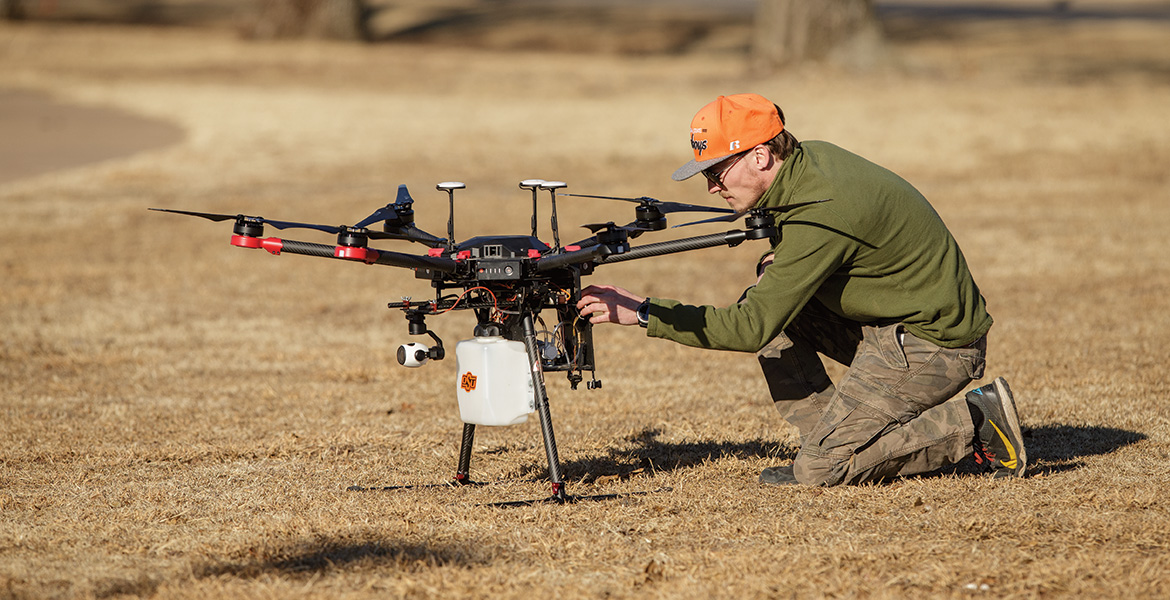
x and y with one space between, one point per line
736 181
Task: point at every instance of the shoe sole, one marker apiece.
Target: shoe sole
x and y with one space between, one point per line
777 476
1013 423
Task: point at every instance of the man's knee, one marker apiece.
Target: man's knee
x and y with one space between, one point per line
847 427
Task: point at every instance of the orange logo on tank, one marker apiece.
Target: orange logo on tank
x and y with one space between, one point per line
467 382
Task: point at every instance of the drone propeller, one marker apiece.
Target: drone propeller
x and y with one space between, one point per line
399 213
408 234
398 216
610 233
293 225
209 216
735 217
663 207
398 222
611 226
650 214
277 224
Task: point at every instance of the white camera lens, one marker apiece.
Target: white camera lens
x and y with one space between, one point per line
412 355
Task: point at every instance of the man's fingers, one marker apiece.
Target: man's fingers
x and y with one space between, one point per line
587 302
603 315
591 295
603 303
595 298
599 312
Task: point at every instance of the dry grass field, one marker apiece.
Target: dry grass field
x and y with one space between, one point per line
181 419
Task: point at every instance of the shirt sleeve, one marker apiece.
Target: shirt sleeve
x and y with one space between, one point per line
808 254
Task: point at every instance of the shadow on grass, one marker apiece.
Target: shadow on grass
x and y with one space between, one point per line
1051 449
643 452
1056 448
306 559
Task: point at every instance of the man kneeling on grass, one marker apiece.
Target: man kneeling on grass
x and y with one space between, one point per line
864 272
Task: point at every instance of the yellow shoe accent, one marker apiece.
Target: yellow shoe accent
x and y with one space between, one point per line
1011 462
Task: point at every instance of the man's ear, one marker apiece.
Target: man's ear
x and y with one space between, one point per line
762 158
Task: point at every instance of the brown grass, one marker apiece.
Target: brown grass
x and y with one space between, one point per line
181 418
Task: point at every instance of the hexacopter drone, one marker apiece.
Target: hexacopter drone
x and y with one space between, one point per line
508 281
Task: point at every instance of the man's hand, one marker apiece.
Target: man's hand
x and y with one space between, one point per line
609 304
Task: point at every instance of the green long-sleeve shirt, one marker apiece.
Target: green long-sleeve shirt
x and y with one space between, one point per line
876 253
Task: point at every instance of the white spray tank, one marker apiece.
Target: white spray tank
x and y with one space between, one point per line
494 381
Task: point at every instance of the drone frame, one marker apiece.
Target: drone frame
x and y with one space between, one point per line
506 280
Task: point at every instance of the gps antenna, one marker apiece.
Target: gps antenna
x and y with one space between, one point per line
450 187
552 187
532 184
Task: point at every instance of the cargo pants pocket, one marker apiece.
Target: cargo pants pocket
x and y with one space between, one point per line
849 425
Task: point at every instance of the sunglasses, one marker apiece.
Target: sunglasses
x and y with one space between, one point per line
716 177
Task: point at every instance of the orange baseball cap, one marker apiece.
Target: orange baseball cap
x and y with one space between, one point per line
727 126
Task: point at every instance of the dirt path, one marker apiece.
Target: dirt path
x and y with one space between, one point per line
41 134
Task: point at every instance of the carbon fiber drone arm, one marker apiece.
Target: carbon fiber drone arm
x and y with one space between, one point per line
366 255
411 261
601 254
576 257
730 238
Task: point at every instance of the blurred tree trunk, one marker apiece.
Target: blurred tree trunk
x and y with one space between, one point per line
788 32
12 9
323 19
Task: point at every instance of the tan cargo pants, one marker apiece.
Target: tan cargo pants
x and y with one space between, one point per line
894 413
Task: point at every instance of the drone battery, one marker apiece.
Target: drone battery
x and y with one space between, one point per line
495 385
498 270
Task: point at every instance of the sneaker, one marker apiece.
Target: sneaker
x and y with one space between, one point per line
778 476
1000 444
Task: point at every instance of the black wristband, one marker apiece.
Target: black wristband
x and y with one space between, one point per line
644 313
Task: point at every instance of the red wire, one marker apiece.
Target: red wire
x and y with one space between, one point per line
495 303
